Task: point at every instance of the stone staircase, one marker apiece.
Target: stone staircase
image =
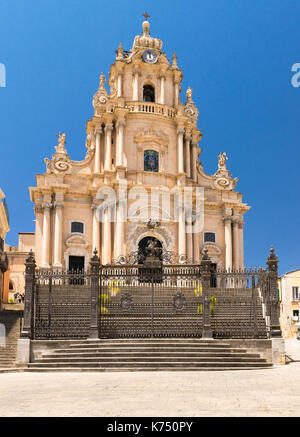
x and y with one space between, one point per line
8 354
148 354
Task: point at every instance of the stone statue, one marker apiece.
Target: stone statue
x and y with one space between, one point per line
174 59
102 81
61 143
222 160
189 94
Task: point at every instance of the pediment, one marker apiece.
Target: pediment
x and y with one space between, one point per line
212 249
151 136
77 240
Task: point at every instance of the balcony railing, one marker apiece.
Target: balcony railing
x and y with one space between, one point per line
152 108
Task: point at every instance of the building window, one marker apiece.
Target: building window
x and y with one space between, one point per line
209 237
148 93
295 293
150 160
77 227
295 315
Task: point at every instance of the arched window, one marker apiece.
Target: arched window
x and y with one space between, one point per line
148 93
150 160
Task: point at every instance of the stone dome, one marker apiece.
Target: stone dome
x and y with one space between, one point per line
145 40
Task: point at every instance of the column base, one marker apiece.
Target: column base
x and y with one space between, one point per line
94 333
23 351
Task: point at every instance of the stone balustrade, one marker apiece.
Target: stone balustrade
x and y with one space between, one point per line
152 108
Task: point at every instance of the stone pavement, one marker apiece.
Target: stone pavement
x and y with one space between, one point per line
269 392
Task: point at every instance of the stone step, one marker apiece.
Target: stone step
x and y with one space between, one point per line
146 350
146 364
147 359
172 354
142 344
138 369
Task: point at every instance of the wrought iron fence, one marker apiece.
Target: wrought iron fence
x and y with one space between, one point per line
154 299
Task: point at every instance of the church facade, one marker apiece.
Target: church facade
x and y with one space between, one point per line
142 155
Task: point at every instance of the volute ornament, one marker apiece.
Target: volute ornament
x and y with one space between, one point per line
101 97
60 162
222 178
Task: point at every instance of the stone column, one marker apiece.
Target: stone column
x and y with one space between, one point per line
119 84
188 155
180 168
46 235
120 231
108 133
96 229
228 242
135 88
120 143
58 233
181 233
98 133
176 91
189 246
236 246
241 242
196 248
162 90
194 160
39 218
106 256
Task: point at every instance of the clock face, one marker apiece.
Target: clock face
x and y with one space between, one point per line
150 56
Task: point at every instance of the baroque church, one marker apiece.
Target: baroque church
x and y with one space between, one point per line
144 139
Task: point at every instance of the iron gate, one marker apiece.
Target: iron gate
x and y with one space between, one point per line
150 301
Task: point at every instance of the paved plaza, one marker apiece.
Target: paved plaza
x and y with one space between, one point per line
270 392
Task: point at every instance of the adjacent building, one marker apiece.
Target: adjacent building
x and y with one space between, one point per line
4 228
14 277
289 291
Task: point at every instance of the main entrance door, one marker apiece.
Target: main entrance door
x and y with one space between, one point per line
76 263
149 301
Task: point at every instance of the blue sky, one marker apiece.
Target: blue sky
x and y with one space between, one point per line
236 55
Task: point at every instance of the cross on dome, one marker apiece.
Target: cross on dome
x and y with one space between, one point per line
146 16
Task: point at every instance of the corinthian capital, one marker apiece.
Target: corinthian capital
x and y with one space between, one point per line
58 204
47 205
227 218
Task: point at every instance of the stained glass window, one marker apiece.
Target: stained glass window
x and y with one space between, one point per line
209 237
150 160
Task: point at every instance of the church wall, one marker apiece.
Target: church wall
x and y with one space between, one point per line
133 126
168 135
169 90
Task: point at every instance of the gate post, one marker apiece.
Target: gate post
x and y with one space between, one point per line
94 272
254 309
206 275
30 267
272 291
